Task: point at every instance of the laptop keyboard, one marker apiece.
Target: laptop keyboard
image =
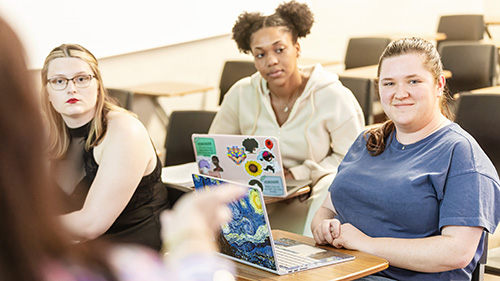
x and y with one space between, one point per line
289 259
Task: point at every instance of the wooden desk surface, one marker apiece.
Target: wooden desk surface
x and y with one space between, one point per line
492 22
489 90
364 264
438 36
323 62
168 89
371 72
309 60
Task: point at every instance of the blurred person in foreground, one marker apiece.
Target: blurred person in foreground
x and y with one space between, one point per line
36 247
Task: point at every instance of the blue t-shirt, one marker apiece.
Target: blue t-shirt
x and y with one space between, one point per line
412 191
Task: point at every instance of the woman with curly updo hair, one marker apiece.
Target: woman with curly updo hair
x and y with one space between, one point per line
313 115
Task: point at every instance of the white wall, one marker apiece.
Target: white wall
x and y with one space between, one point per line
338 20
196 62
113 27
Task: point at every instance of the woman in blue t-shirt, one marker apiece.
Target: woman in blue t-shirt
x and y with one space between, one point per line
418 190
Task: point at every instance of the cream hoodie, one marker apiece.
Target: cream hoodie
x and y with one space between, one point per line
323 123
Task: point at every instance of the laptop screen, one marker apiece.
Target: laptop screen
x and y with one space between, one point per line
247 236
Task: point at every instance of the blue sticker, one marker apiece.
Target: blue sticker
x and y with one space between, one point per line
273 185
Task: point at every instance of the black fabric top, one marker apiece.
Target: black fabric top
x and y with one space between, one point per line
80 132
139 221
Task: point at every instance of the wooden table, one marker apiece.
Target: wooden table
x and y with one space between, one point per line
487 23
438 36
167 89
323 62
489 90
364 264
370 72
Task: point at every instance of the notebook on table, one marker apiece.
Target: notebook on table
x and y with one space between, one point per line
247 238
250 160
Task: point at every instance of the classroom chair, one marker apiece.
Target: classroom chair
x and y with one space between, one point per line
473 65
182 124
478 273
479 114
123 97
363 90
233 71
461 27
364 51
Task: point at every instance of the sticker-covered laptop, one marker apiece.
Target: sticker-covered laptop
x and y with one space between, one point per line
247 238
251 160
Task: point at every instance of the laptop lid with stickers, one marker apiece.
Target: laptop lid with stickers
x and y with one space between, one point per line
250 160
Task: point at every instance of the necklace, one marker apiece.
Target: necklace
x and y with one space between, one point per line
286 108
303 81
428 134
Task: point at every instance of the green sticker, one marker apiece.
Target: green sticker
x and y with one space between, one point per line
205 146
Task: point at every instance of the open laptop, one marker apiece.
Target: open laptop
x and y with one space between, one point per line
247 238
251 160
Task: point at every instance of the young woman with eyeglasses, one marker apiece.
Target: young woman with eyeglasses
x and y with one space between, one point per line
103 158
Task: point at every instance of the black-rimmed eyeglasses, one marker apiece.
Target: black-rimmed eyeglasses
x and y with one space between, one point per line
80 81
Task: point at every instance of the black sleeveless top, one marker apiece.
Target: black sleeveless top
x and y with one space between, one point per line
139 221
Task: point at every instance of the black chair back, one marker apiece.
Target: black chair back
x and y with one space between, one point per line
478 273
363 90
232 72
473 65
124 98
364 51
182 124
462 27
479 115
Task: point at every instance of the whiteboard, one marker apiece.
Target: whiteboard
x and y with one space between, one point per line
112 27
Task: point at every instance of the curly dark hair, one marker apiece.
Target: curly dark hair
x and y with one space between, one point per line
296 17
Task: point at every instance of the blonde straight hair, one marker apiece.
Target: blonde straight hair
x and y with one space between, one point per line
58 133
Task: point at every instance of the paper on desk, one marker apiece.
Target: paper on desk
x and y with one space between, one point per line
179 174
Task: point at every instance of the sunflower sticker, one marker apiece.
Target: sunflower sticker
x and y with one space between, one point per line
253 168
